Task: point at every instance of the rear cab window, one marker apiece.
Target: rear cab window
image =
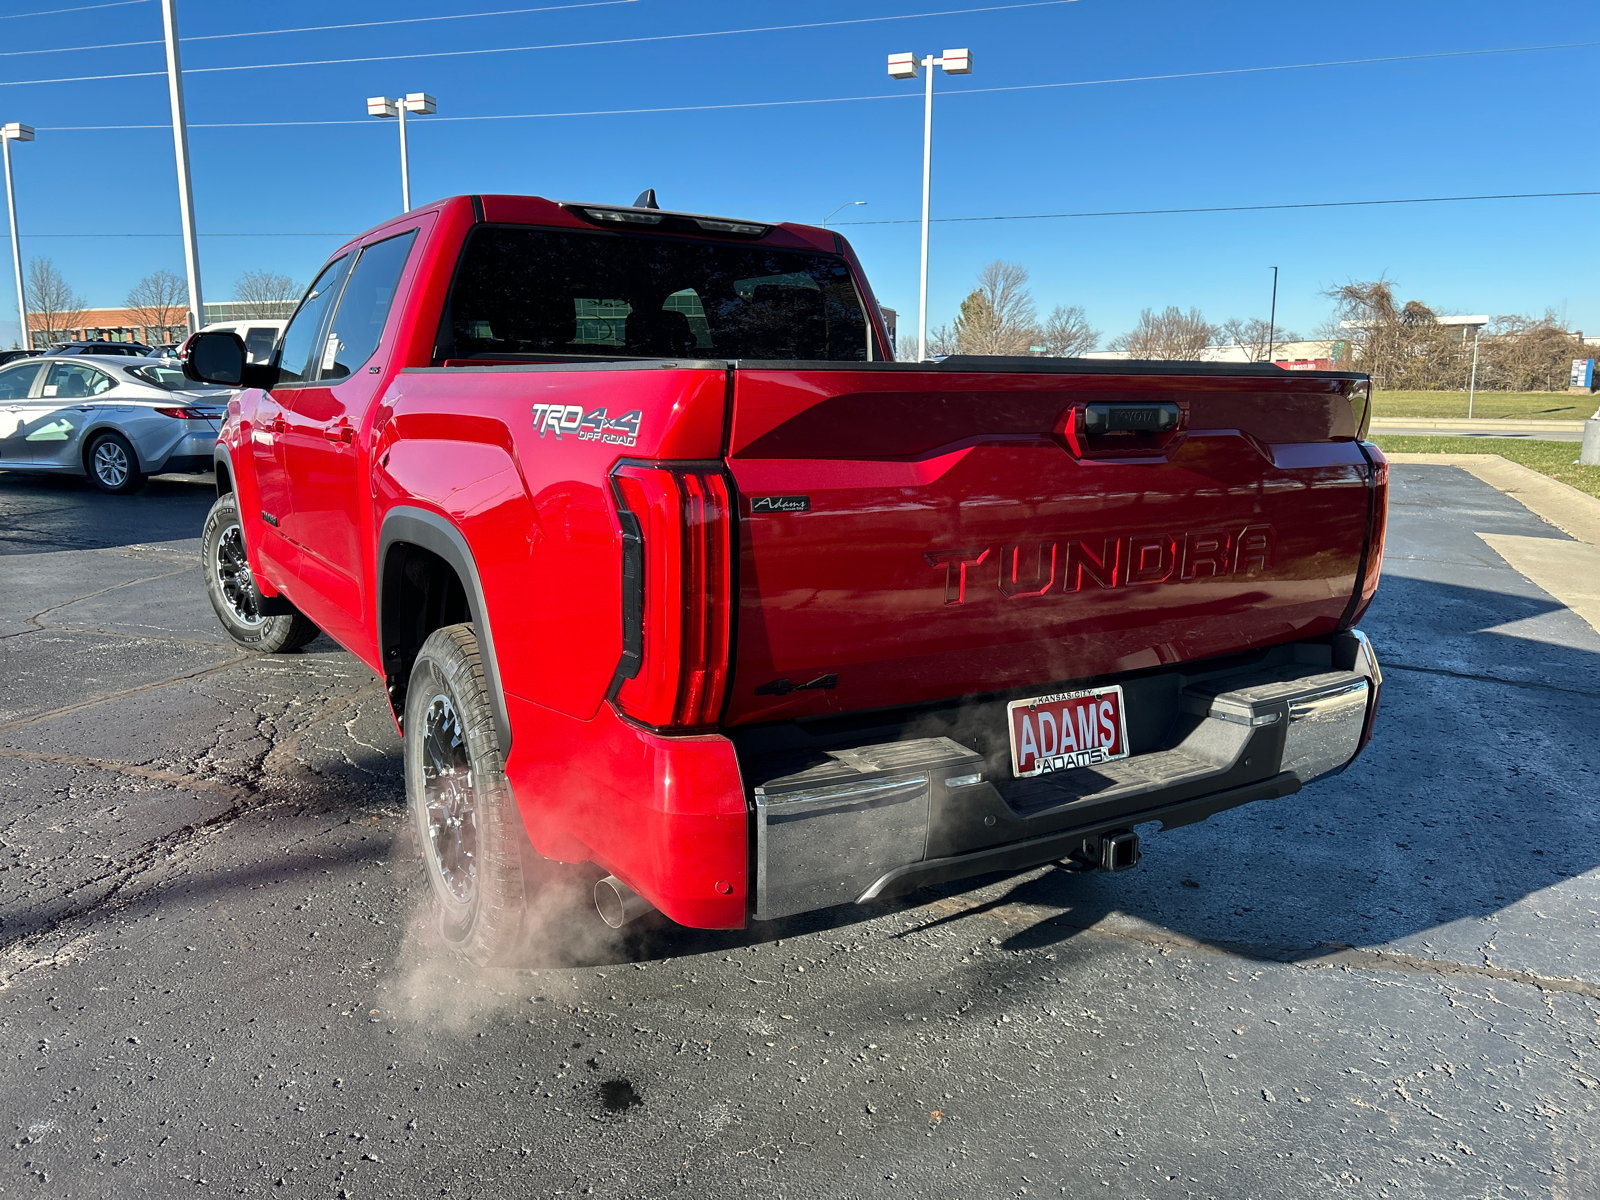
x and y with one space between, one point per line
521 290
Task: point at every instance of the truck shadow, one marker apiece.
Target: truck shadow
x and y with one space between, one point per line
1477 792
44 513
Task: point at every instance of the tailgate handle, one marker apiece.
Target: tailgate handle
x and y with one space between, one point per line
1131 418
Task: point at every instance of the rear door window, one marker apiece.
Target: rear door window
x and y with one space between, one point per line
75 381
296 363
364 308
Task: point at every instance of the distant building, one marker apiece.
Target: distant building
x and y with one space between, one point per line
1291 356
233 310
124 325
106 324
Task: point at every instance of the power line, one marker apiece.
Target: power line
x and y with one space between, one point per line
217 37
1124 212
660 37
1223 208
51 12
676 108
179 234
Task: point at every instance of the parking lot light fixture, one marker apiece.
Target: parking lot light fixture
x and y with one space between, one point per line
16 132
840 209
412 102
1476 324
908 66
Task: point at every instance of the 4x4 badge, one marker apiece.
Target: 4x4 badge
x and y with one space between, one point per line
593 426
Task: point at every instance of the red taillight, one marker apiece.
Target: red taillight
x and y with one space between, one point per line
184 414
1377 526
677 594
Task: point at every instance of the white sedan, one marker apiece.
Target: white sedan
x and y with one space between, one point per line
115 420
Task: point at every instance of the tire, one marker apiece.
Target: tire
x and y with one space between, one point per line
231 587
112 465
466 823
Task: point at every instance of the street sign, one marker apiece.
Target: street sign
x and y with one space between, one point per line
1582 373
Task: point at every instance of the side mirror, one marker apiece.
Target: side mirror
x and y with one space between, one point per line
219 357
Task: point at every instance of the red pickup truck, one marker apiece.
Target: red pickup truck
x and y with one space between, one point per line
668 566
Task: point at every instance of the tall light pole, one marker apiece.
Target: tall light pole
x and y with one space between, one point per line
1272 321
1472 388
908 66
1477 323
15 132
840 209
180 144
416 102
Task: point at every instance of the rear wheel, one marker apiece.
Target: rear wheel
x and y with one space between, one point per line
231 587
113 466
467 825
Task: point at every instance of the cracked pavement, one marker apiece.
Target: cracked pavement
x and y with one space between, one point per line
214 978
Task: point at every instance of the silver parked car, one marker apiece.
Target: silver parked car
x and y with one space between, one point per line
115 420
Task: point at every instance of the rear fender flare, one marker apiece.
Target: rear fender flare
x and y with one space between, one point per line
434 533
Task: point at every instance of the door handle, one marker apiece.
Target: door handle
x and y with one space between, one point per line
277 424
340 431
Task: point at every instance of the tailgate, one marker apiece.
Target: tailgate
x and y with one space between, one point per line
914 535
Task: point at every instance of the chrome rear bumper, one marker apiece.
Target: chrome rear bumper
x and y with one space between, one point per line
880 819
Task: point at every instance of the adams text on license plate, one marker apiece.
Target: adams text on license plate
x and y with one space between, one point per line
1067 730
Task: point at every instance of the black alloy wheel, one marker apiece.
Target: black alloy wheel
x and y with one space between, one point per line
468 829
231 588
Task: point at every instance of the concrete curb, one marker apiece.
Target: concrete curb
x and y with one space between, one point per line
1562 505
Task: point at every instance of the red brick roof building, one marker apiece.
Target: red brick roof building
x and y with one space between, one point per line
106 324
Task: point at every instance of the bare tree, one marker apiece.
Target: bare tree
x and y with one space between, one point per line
260 293
1170 334
1399 345
1256 336
942 342
1526 354
55 307
159 301
1066 333
997 316
1406 345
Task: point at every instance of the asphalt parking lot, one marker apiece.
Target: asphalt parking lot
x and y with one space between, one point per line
213 980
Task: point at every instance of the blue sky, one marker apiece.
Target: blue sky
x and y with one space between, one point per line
1443 126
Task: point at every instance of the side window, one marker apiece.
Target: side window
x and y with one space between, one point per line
16 382
364 308
295 362
74 381
259 343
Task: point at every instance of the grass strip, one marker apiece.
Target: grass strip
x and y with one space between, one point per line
1524 406
1555 459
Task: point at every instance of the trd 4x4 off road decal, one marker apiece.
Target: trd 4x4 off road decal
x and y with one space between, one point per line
593 426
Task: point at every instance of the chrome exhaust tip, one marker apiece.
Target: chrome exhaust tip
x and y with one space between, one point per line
618 903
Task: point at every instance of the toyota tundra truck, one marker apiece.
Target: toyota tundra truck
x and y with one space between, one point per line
668 566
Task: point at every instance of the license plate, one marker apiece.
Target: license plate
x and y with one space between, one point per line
1071 729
